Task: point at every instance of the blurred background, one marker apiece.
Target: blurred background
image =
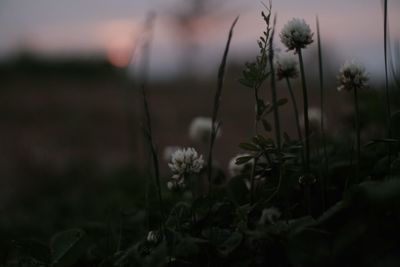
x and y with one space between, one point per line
71 143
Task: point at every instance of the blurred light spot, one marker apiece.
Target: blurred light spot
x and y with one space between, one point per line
118 37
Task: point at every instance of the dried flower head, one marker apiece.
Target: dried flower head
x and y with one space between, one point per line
200 129
296 34
286 67
239 169
352 76
184 162
270 215
153 237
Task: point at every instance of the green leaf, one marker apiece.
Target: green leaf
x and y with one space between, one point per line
249 146
67 247
243 160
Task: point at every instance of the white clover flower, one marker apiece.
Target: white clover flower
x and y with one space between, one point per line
286 67
270 215
153 237
200 129
239 169
184 162
296 34
352 76
314 119
168 151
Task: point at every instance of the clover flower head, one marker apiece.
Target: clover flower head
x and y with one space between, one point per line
296 34
352 76
200 129
286 67
239 169
153 237
270 215
184 162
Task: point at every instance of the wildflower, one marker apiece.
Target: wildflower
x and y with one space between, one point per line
168 151
239 169
153 237
200 129
270 215
352 76
286 68
314 116
296 34
184 162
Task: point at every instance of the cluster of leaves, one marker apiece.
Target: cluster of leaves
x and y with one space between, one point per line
255 73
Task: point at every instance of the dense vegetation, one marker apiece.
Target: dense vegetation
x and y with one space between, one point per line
297 200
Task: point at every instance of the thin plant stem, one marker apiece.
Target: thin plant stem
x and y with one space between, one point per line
147 122
257 119
153 151
305 104
306 128
217 101
322 107
358 144
296 115
388 107
273 89
347 181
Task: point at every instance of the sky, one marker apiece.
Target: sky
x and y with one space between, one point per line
351 29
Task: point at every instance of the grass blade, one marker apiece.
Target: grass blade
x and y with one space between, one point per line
217 101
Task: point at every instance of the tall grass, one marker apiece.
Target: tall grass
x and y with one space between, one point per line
324 159
147 124
217 102
388 107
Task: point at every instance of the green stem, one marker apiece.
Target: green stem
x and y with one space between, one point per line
305 104
358 144
217 100
274 95
322 107
296 115
388 107
257 119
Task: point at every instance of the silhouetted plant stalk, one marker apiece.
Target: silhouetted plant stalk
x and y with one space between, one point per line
358 142
146 51
352 77
388 107
297 117
305 107
273 89
324 160
153 152
217 101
